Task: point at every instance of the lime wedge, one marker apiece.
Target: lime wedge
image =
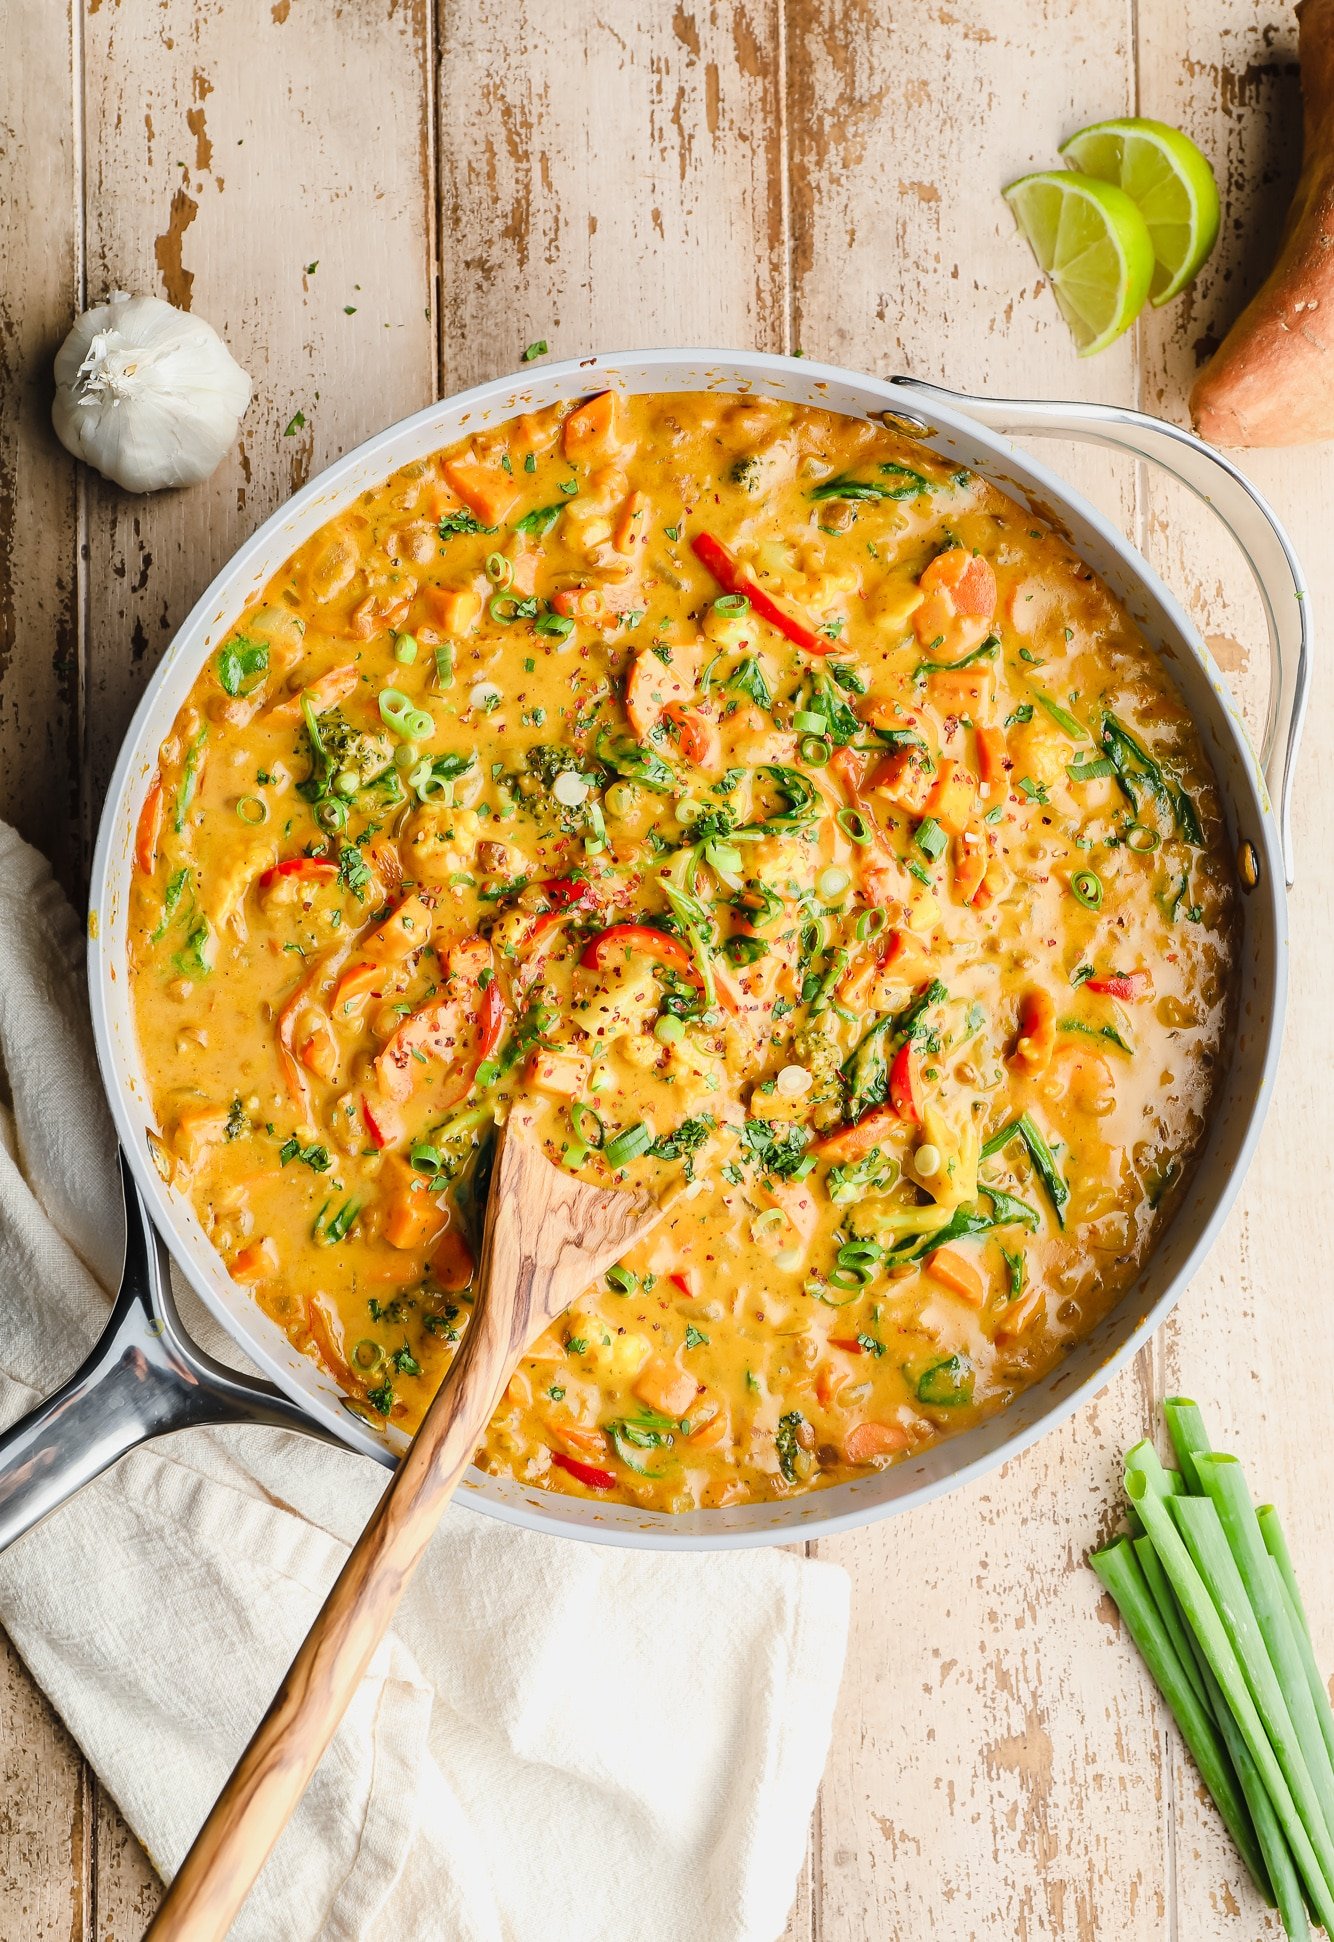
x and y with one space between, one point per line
1094 245
1168 180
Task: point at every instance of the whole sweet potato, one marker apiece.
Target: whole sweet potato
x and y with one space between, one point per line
1271 380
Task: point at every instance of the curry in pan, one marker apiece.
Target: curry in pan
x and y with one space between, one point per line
798 827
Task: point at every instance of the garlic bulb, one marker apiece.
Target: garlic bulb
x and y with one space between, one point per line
146 394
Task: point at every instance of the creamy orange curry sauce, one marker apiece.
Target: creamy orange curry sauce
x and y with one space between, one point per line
798 826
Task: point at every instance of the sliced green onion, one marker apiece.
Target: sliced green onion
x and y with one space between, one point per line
1086 889
819 1291
1140 838
587 1125
669 1030
398 713
831 883
367 1355
331 814
629 1145
444 666
499 571
251 810
1062 717
506 608
405 649
855 826
860 1258
931 839
1091 768
807 722
814 751
812 937
869 925
623 1281
731 603
574 1154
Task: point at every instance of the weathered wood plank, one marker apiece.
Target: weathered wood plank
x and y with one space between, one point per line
981 1781
45 1814
39 621
269 169
1254 1338
124 1890
616 179
44 1796
275 174
602 185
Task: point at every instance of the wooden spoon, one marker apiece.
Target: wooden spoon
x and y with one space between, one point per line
547 1237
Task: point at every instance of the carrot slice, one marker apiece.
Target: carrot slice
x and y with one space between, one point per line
698 737
149 827
485 490
593 431
664 1387
452 1264
992 755
959 1276
865 1441
1037 1032
323 694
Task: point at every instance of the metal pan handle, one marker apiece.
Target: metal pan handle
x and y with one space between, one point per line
144 1377
1250 520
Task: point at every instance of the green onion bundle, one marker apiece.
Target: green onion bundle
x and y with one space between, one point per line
1207 1591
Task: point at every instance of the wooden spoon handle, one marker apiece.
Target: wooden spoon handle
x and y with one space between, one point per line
273 1772
547 1236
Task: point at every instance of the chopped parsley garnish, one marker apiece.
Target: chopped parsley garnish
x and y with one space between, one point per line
314 1157
353 872
779 1146
382 1398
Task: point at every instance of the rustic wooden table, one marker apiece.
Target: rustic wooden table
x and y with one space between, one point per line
383 202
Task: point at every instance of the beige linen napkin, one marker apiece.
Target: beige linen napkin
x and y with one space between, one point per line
556 1741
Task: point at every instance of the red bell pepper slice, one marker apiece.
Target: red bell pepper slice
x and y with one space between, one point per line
903 1084
585 1473
383 1122
149 827
732 577
490 1023
297 866
565 895
564 892
657 944
1123 984
681 1281
644 939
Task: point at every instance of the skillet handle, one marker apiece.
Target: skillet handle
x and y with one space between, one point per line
1246 514
143 1378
